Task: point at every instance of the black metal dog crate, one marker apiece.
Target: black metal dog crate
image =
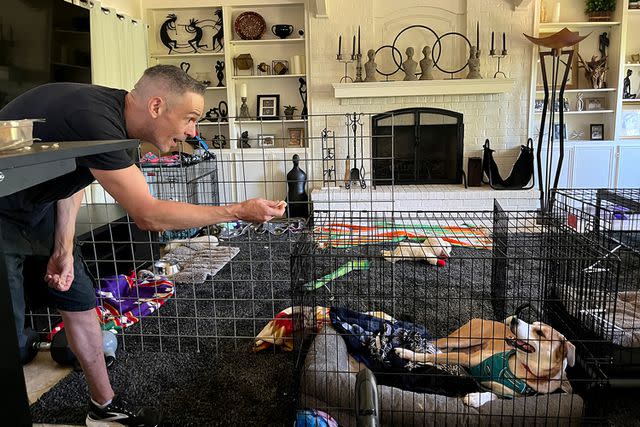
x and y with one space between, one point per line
344 288
599 300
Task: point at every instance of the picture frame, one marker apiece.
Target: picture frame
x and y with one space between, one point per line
556 131
631 123
538 104
572 78
280 67
268 107
597 131
296 137
594 104
266 140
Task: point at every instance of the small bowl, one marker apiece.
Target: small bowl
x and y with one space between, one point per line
165 268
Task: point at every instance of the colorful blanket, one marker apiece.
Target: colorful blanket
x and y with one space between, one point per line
122 300
341 235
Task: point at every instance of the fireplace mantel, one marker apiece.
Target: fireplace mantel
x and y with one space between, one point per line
422 88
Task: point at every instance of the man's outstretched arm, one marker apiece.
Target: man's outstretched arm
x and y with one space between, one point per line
130 189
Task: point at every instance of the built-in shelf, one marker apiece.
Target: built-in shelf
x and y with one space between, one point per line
216 88
73 32
588 24
270 76
269 122
631 101
213 123
631 64
608 89
422 88
187 55
572 113
630 137
267 41
79 67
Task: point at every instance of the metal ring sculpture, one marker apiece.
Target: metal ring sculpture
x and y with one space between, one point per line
435 60
393 50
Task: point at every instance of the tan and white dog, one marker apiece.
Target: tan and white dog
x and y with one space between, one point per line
434 250
510 359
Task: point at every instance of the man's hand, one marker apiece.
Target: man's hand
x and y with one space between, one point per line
259 210
60 271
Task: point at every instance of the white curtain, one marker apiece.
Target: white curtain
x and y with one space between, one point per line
118 48
118 59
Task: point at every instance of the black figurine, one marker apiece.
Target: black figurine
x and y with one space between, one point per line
303 94
169 24
193 28
603 45
185 66
244 139
219 36
219 141
626 88
219 72
297 199
209 116
223 110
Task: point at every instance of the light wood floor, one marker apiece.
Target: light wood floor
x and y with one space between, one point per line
42 374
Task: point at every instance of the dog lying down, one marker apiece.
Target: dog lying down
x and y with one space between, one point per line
434 250
510 359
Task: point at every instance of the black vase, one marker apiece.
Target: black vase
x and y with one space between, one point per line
282 30
297 199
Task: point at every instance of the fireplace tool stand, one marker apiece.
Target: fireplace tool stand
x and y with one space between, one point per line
355 175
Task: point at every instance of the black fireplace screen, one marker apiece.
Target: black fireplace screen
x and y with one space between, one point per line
417 146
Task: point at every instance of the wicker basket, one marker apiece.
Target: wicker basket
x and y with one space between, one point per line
599 16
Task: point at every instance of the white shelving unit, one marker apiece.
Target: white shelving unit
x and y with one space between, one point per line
246 172
612 156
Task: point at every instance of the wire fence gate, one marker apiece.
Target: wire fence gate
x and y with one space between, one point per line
367 243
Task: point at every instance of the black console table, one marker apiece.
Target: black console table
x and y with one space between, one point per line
19 170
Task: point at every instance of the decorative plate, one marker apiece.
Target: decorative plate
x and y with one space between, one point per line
250 25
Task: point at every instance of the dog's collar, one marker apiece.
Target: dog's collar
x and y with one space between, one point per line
496 369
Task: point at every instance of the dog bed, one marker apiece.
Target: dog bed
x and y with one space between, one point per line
328 381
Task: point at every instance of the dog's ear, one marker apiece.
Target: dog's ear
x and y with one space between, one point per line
570 351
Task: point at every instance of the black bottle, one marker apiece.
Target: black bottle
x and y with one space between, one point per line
297 199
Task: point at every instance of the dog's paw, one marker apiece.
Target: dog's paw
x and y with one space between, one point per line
404 353
478 399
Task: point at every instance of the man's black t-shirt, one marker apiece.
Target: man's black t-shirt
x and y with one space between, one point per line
73 112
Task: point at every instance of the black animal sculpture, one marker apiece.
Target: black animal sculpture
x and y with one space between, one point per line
219 36
169 24
193 28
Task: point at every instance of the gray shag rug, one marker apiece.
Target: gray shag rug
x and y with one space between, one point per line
192 358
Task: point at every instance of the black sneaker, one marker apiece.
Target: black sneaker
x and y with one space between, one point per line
120 413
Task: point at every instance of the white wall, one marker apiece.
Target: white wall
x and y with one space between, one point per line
502 117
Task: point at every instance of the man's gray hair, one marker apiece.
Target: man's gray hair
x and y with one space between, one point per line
174 79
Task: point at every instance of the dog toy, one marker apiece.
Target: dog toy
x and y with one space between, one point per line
343 270
434 250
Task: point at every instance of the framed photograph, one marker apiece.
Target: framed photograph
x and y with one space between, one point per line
280 67
556 131
572 78
594 103
268 107
597 131
631 123
266 140
538 104
296 137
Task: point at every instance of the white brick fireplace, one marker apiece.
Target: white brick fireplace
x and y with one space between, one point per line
498 113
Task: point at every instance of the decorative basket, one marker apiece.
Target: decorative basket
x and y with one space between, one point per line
250 25
599 16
